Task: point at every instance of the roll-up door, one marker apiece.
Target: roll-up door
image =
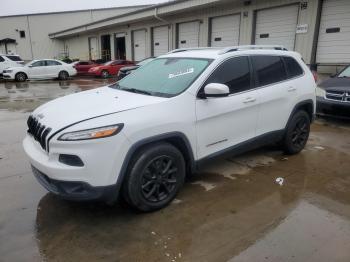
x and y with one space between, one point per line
224 30
277 26
334 35
139 45
160 40
188 34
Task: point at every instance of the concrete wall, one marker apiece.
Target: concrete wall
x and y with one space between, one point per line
37 43
303 44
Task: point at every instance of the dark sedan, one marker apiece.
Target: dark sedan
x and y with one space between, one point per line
123 72
333 95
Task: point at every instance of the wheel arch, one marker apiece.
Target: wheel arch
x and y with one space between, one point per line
22 72
307 106
177 139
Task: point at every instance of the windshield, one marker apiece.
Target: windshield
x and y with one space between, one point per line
345 72
164 77
145 61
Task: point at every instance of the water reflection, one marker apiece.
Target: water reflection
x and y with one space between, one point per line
28 95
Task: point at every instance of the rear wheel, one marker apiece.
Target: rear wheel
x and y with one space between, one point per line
297 133
104 74
20 77
63 75
155 176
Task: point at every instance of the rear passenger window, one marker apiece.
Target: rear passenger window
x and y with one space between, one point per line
268 69
234 73
293 67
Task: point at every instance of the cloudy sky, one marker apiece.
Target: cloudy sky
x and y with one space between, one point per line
15 7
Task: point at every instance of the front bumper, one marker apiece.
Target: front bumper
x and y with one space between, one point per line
332 108
8 76
76 190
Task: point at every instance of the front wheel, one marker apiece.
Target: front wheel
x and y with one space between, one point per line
155 176
297 133
20 77
104 74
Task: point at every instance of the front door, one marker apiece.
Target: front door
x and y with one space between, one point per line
227 121
37 70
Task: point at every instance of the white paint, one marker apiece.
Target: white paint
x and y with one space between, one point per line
302 29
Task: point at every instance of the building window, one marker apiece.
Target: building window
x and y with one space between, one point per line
22 34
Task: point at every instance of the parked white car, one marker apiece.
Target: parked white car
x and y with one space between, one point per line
142 135
7 61
40 69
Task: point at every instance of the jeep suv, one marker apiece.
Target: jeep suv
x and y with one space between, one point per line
143 135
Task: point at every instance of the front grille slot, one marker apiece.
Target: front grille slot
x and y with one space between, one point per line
38 131
336 95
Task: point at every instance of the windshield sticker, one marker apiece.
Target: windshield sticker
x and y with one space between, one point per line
181 73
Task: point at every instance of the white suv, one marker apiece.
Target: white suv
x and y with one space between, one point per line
142 135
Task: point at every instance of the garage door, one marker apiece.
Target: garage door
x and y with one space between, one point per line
188 34
276 26
139 42
334 36
225 30
160 40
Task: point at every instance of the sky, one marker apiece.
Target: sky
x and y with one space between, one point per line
17 7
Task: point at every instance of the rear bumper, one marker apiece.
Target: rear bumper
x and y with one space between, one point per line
76 190
333 108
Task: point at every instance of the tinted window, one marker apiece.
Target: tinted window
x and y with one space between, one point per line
84 63
2 59
38 63
14 57
234 73
293 67
52 63
268 69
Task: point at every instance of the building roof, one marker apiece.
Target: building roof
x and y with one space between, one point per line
143 13
75 11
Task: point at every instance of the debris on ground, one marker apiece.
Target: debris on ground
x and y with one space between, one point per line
207 186
279 180
153 233
284 159
319 147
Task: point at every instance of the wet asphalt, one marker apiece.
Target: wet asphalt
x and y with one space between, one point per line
232 210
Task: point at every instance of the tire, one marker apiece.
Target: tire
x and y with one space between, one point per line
21 77
63 75
104 74
155 175
297 133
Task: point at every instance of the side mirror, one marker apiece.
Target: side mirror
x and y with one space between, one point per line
216 90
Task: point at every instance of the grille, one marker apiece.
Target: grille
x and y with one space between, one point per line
340 96
38 131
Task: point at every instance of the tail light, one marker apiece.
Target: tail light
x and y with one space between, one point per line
314 73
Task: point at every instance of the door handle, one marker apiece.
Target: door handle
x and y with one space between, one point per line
292 89
249 100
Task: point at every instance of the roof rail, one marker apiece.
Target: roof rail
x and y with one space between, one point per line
190 49
248 47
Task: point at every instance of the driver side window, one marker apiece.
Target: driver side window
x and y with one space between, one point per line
234 72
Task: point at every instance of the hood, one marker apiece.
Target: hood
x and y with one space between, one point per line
67 110
338 83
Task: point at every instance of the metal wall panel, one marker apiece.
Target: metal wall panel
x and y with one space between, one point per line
139 44
188 34
160 40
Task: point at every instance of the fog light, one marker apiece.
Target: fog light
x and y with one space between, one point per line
70 160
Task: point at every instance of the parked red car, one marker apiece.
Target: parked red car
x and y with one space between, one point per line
110 68
83 67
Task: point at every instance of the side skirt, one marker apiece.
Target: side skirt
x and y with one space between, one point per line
251 144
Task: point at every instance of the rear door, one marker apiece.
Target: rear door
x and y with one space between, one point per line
227 121
53 68
277 93
188 34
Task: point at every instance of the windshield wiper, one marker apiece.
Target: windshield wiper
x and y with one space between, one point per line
138 91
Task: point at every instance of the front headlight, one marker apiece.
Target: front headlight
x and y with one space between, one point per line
93 133
320 92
